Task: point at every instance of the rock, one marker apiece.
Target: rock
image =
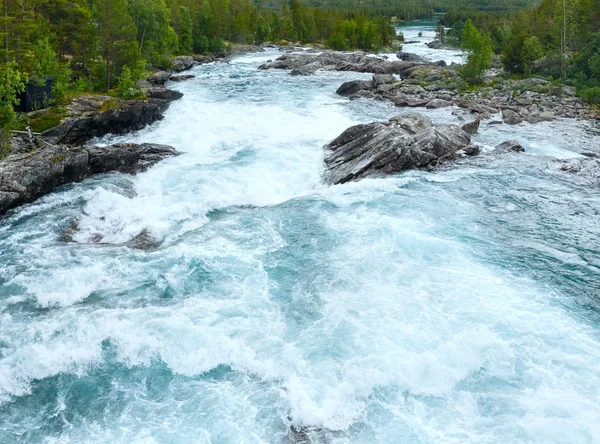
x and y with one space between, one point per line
26 177
471 128
160 77
96 116
164 94
511 117
353 86
383 79
182 77
495 122
404 142
588 168
302 71
541 117
410 57
471 150
438 103
182 63
436 44
143 241
510 145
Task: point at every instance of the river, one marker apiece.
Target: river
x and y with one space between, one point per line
459 306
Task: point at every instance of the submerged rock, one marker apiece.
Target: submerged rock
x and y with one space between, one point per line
510 145
143 241
26 177
404 142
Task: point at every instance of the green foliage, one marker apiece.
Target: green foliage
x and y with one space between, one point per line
41 121
13 83
478 51
530 52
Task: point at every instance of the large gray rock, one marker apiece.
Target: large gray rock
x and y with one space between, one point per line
404 142
538 117
160 77
511 117
96 116
353 86
182 63
26 177
410 57
383 79
471 128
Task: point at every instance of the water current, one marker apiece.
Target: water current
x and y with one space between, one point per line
459 306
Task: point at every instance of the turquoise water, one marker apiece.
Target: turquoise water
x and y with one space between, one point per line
455 306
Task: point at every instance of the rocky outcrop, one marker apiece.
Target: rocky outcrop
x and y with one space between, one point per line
434 86
182 63
404 142
308 63
182 77
96 116
26 177
160 77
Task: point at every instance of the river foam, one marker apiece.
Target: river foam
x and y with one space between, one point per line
455 306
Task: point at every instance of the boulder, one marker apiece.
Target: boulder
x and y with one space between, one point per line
410 57
302 71
404 142
438 103
383 79
182 77
538 117
160 77
26 177
471 128
163 94
353 86
436 44
182 63
511 117
510 145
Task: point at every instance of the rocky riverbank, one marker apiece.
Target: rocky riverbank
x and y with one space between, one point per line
420 83
26 177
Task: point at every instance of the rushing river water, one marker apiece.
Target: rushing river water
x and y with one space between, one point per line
456 306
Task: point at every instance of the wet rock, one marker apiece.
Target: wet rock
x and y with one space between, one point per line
510 145
182 63
471 150
511 117
353 86
495 122
541 117
383 79
164 94
160 77
182 77
302 71
410 57
143 241
404 142
436 44
26 177
471 128
588 168
438 103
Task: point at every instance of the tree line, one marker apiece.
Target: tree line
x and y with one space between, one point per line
559 39
102 45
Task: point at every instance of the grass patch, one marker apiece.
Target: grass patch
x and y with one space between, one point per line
42 120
